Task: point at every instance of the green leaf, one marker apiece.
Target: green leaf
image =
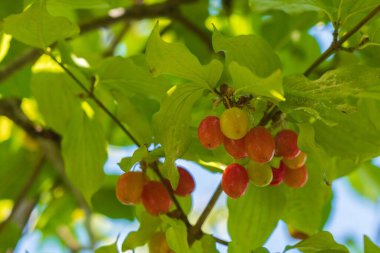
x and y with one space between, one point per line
206 244
104 201
176 235
335 10
56 94
135 118
148 226
73 4
321 242
249 51
261 250
111 248
366 181
305 206
245 81
37 28
329 95
176 60
172 125
369 246
254 216
127 163
10 234
5 41
84 152
120 74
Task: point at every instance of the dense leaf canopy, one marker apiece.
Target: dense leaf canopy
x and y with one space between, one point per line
80 79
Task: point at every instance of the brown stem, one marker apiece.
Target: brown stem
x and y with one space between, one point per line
182 214
337 45
196 231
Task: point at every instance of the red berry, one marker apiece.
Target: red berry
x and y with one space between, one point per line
236 148
209 133
129 187
295 178
156 198
296 162
186 183
278 175
235 180
259 144
286 144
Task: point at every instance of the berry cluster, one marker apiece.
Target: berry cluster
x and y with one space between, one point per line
134 187
258 144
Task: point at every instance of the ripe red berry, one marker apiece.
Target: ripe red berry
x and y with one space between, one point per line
259 144
186 183
286 144
235 180
156 198
295 178
129 187
296 162
236 148
234 123
278 175
209 133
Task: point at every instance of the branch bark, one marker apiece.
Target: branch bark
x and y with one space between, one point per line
336 45
136 12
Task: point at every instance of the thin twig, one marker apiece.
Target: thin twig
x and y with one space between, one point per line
116 40
96 100
196 230
337 45
182 214
202 35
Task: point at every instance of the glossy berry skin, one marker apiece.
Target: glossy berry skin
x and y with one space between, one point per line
259 144
286 144
296 162
278 175
260 174
186 183
209 133
159 244
296 178
234 123
156 198
235 180
129 187
236 148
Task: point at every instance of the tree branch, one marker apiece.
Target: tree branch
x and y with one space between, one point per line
203 36
116 40
196 231
18 202
336 45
